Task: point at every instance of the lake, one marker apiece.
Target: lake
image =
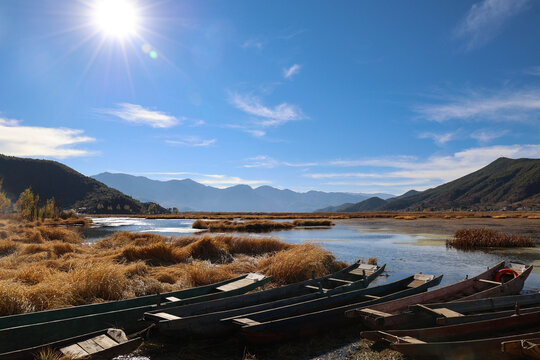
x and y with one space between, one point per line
404 254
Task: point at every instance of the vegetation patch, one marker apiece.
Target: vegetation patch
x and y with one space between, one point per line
256 226
470 239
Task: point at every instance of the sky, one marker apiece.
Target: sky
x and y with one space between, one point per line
353 96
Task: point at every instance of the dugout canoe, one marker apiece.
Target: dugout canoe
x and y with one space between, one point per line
524 349
55 325
396 315
291 322
104 344
459 312
463 341
203 318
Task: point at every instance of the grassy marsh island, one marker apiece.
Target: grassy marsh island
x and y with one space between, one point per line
257 225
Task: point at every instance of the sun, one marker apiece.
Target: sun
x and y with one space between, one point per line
115 18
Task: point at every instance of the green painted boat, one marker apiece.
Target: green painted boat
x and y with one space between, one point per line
34 329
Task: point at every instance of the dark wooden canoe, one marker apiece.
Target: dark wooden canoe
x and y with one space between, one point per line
104 344
127 318
524 349
290 322
459 312
464 341
395 314
203 318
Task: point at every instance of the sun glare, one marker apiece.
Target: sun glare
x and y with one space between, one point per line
116 18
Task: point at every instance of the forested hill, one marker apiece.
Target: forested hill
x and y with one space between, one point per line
511 183
70 189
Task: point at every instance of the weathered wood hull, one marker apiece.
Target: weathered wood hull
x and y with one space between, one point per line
524 349
279 327
120 348
129 319
395 314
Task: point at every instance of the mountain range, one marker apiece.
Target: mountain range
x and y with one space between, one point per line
70 189
189 195
505 183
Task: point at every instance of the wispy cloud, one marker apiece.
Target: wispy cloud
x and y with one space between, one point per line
264 161
486 135
136 114
503 106
278 115
252 43
291 71
533 70
192 141
439 139
293 34
18 140
217 180
485 20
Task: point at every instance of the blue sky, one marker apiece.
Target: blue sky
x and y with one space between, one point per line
357 96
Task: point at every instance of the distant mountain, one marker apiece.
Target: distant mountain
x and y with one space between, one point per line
69 188
370 204
189 195
503 183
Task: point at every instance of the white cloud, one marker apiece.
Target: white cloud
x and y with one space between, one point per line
485 136
486 18
17 140
193 141
263 161
252 43
278 115
217 180
137 114
514 106
346 175
439 139
534 70
293 70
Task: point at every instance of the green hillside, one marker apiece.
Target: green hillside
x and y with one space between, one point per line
70 189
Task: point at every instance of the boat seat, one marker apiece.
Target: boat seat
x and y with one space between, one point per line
236 284
85 348
173 299
341 280
376 313
312 287
420 279
438 311
245 322
490 281
411 340
161 316
372 297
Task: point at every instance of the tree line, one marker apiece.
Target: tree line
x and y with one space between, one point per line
28 207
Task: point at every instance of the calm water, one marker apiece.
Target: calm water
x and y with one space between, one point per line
348 242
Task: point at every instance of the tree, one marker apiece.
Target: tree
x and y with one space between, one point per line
26 205
5 203
49 210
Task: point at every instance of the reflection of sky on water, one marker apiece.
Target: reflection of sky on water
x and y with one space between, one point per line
349 242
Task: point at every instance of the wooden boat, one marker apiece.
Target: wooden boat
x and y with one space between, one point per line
395 314
302 320
459 312
481 339
104 344
203 318
54 325
524 349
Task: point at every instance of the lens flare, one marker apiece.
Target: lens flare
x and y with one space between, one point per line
116 18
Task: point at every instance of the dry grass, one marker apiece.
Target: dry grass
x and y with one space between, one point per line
242 226
470 239
312 222
43 267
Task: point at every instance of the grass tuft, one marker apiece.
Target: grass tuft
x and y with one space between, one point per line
470 239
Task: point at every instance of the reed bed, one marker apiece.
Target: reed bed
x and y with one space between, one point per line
471 239
44 267
256 226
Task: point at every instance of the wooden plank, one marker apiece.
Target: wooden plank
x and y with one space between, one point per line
172 299
412 340
245 322
315 288
104 341
447 312
236 285
90 346
117 335
165 316
372 296
490 281
255 276
374 312
74 351
341 280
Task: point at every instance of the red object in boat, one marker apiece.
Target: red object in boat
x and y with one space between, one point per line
504 274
